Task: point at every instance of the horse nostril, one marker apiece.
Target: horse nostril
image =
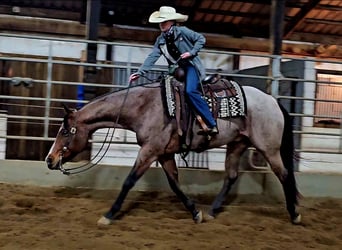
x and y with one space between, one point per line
49 162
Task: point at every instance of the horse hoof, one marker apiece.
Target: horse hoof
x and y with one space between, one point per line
199 217
297 220
103 221
210 217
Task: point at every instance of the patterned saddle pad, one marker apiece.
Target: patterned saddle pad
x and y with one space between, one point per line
226 98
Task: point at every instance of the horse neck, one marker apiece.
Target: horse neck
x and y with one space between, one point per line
103 112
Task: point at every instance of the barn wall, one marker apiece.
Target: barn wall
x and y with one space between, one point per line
28 149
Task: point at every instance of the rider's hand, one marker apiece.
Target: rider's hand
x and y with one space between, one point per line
185 55
133 77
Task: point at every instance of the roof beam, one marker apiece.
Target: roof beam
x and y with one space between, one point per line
148 35
232 13
192 10
316 38
254 1
329 7
299 17
320 21
41 12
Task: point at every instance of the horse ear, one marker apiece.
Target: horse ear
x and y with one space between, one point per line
66 108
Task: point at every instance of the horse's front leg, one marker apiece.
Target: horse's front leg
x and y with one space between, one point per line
142 163
171 171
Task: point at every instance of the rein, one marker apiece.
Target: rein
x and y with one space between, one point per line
87 166
84 167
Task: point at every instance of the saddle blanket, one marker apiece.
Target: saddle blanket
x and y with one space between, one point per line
225 98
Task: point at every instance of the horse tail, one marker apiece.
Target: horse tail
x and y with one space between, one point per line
287 156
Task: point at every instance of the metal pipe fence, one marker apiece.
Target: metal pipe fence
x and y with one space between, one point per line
127 67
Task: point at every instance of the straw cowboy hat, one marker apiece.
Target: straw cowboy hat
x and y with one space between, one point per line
166 13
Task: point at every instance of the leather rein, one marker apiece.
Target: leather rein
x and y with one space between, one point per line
72 132
79 169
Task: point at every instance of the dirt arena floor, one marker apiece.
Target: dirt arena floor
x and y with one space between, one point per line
65 218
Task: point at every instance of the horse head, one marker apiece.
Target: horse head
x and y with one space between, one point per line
71 139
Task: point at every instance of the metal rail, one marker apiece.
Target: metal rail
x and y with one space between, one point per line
51 61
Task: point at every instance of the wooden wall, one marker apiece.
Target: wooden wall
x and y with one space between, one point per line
35 149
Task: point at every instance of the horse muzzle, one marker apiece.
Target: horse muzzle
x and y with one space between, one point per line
51 164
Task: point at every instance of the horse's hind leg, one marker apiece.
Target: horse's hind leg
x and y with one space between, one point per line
233 154
288 182
171 171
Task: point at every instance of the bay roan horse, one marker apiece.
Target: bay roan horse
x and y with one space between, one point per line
266 126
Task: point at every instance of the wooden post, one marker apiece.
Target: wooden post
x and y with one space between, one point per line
93 18
276 39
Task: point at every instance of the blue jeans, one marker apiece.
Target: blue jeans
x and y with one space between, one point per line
193 93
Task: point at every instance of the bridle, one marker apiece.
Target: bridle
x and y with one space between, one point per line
67 133
72 132
79 169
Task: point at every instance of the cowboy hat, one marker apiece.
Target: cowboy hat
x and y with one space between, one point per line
166 13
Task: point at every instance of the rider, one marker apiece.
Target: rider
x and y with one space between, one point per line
179 44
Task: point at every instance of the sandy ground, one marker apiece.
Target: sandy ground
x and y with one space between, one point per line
65 218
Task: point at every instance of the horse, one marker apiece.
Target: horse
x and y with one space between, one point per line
140 108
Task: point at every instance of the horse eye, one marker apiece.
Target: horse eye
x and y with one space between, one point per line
65 132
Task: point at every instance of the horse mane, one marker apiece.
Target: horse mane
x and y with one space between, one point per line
103 98
100 97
